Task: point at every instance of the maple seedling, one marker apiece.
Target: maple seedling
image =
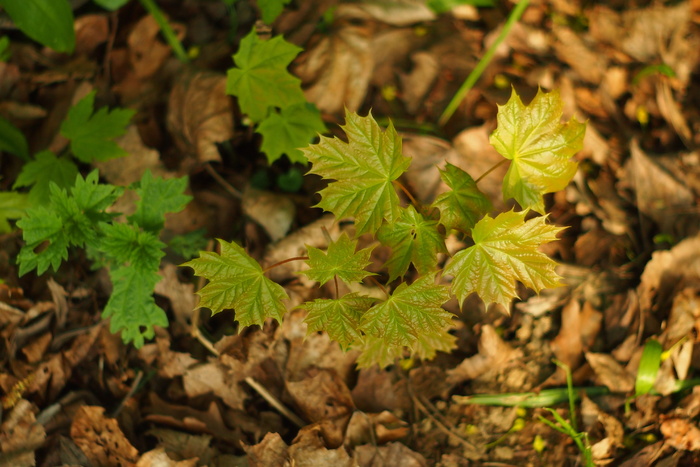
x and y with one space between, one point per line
363 176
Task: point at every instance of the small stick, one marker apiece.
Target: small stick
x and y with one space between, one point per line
273 401
221 181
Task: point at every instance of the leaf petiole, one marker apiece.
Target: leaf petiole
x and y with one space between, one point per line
285 261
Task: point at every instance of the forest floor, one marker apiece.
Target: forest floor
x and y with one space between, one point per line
75 394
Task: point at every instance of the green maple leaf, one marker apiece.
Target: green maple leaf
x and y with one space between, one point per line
127 244
505 250
428 345
237 281
364 169
411 311
131 307
539 146
12 206
260 79
339 318
413 239
271 9
340 260
377 351
287 131
44 169
158 196
463 205
70 220
91 135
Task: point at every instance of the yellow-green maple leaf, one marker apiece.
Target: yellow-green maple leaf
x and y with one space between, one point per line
364 170
237 281
505 250
539 146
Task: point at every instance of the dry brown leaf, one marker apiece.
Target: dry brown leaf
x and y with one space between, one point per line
308 450
146 52
272 451
183 445
90 32
681 434
493 354
380 428
126 170
377 390
370 455
324 399
275 212
21 435
610 373
416 84
158 458
336 70
200 114
661 196
181 295
189 419
101 439
604 450
35 350
669 272
572 50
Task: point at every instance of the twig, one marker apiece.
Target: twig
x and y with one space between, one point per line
221 181
441 426
273 401
132 390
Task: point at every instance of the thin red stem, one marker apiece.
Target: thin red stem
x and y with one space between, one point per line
288 260
413 200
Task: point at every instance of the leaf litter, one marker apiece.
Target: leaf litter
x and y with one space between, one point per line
73 394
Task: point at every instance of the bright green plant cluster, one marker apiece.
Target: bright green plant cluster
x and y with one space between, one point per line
91 135
363 176
80 217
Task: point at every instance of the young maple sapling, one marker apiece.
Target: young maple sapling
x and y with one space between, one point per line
363 178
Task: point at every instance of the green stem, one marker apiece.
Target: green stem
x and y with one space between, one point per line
168 32
490 170
483 63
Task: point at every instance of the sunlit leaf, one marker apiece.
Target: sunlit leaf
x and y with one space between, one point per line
539 146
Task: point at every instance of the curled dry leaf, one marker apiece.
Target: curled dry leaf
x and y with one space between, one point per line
101 439
200 114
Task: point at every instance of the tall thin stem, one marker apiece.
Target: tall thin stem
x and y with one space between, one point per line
483 63
167 30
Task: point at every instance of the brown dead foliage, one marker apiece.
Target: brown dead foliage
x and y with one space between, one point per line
73 394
